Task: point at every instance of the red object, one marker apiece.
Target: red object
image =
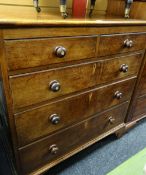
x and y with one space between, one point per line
79 8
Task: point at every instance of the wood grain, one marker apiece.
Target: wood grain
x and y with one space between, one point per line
111 67
142 86
39 52
142 82
139 88
10 16
37 154
139 108
37 121
144 69
8 104
115 43
32 88
88 81
30 32
117 7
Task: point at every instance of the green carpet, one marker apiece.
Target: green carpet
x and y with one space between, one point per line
133 166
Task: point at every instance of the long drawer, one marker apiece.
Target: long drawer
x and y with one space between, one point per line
120 43
52 117
57 145
32 88
40 52
111 69
36 87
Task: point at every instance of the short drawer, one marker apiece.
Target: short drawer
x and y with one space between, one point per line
29 53
121 43
52 117
36 87
121 67
56 146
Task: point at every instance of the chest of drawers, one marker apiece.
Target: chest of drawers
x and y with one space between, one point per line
66 90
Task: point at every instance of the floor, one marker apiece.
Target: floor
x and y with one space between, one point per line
104 156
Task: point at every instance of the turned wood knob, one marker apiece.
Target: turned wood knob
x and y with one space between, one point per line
111 120
118 95
55 119
53 149
55 86
60 51
128 43
124 68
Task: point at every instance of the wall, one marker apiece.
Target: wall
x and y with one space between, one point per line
47 5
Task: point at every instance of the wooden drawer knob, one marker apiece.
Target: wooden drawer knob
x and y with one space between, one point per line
111 120
118 95
60 51
55 86
128 43
53 149
124 68
55 119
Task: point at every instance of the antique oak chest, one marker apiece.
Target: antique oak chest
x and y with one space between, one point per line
67 84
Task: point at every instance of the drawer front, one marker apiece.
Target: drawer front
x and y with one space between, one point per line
35 88
41 52
119 68
42 121
140 107
121 43
40 86
55 146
